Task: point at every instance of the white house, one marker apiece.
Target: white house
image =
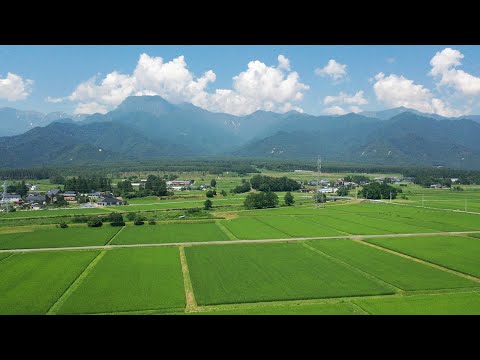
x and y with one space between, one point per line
11 198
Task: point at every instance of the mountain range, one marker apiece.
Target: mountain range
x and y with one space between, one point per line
149 127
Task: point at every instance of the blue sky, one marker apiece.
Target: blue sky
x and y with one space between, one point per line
237 79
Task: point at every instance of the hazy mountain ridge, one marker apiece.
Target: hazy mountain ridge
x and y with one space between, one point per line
149 127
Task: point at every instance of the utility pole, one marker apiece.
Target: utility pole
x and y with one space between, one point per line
319 192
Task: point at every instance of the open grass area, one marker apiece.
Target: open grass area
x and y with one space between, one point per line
130 279
267 272
400 272
31 283
169 233
434 304
57 237
454 252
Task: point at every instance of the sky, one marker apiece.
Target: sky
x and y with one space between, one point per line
241 79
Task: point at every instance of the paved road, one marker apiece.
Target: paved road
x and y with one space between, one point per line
223 242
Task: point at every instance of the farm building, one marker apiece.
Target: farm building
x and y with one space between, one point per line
70 196
11 198
110 200
179 182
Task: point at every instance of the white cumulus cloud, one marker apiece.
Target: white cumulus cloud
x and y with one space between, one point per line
335 110
54 100
344 98
333 69
14 87
259 87
444 65
395 91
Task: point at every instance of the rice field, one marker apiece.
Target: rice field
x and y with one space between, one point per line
31 283
453 252
266 272
169 233
57 237
323 276
130 279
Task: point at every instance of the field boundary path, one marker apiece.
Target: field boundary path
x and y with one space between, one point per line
224 242
227 232
439 267
78 281
115 235
191 303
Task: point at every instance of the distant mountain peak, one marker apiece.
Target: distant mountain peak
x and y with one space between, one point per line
150 104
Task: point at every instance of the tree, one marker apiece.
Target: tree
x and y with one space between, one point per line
138 222
261 200
224 193
207 205
213 183
94 222
151 222
131 216
63 225
243 188
375 190
117 219
289 200
210 193
342 192
156 186
320 197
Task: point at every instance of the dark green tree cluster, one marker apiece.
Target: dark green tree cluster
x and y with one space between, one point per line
289 200
243 188
117 219
357 178
18 188
268 183
94 222
342 191
427 180
376 191
211 193
156 186
207 205
87 184
320 197
124 187
261 200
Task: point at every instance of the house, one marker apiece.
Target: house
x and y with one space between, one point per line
436 186
36 199
11 198
53 192
70 196
179 183
328 190
110 200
